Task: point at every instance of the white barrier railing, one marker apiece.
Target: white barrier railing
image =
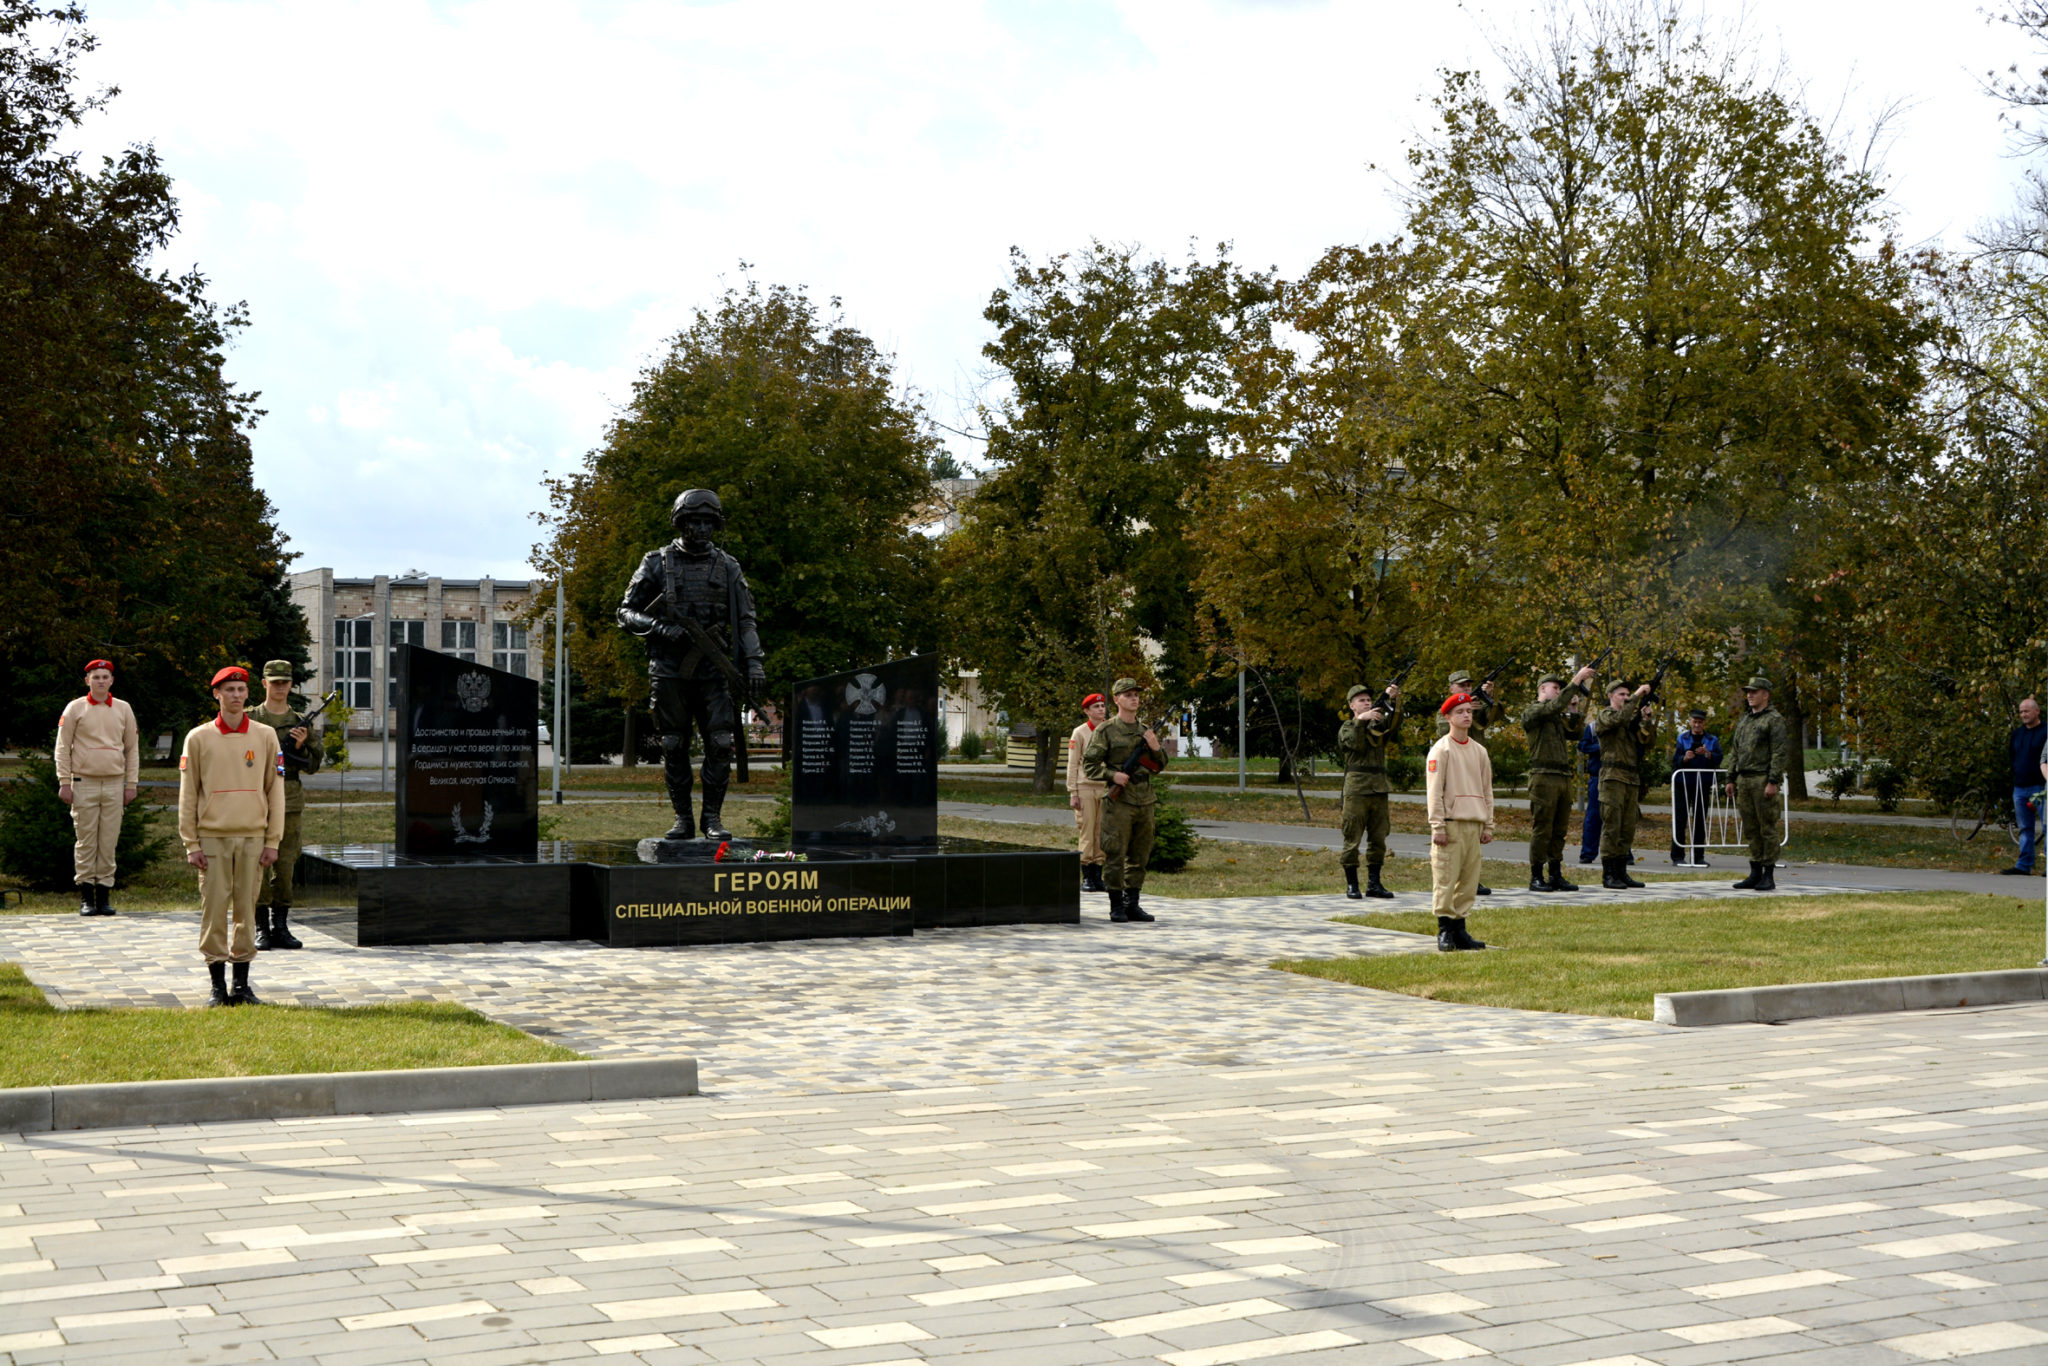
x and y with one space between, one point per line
1703 814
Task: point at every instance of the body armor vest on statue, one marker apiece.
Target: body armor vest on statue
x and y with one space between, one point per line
697 586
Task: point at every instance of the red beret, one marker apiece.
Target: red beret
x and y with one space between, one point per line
230 674
1090 700
106 664
1456 699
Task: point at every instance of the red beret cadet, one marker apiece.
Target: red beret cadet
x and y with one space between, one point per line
106 664
1456 699
230 674
1090 700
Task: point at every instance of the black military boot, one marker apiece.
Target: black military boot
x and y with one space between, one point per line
263 928
1611 876
1446 942
1756 875
1464 940
1132 910
88 899
1091 878
219 973
1374 888
1483 890
1628 879
1557 882
1351 892
243 995
677 777
100 893
281 936
1767 876
1538 882
712 822
1117 914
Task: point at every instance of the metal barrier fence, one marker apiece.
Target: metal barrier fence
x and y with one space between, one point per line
1703 814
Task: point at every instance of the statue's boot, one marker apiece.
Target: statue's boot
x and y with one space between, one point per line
675 771
713 822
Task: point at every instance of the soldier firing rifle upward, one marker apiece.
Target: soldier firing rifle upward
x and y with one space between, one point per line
689 601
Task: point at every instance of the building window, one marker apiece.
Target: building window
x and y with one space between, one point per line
458 638
352 651
402 633
508 647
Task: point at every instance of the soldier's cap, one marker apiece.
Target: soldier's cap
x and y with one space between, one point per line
1757 683
1357 689
229 675
278 668
1558 679
1458 676
106 664
1454 701
1090 700
1621 683
1698 714
1124 685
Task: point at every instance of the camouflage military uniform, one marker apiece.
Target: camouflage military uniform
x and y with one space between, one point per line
1362 745
1758 755
1482 706
1126 820
1625 736
1552 729
276 891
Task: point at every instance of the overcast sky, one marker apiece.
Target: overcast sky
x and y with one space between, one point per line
462 229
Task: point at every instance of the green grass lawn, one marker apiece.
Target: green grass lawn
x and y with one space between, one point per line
1612 961
49 1047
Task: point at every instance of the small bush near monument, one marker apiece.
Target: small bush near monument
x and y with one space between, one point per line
36 838
334 738
970 747
1174 841
1887 783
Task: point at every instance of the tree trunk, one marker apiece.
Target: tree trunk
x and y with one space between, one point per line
1285 778
629 757
1795 721
1041 761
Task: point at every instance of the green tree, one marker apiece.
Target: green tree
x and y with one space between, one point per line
821 461
130 525
1073 562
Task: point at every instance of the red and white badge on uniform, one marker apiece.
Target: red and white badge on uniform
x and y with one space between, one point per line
1432 765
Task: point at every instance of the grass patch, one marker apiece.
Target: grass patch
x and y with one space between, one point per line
1612 961
51 1047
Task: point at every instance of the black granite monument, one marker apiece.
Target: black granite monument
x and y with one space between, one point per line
468 759
867 756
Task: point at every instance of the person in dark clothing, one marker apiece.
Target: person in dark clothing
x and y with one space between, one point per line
1589 833
1692 790
2027 786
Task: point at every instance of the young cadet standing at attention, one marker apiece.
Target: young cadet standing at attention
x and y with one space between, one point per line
274 898
230 818
1085 795
98 762
1127 821
1460 786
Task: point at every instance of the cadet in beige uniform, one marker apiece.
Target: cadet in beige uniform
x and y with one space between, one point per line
274 898
98 761
1460 787
230 818
1085 795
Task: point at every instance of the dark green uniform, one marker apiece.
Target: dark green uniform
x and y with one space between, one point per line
1553 737
1758 755
1482 707
1362 745
277 878
1126 820
1625 737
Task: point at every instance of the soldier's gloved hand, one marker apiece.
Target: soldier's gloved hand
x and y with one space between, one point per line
757 679
669 633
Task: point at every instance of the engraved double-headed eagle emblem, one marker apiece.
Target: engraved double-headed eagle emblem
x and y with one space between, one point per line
865 694
473 690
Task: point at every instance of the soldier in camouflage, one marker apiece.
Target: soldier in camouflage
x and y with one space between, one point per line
1626 730
1129 803
1551 723
689 602
1758 756
1362 745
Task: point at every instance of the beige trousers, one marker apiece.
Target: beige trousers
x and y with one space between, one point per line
227 893
1454 869
1089 821
96 817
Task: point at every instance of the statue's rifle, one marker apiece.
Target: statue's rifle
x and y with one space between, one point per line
294 757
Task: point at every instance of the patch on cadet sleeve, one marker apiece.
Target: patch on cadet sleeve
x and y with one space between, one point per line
1432 765
181 762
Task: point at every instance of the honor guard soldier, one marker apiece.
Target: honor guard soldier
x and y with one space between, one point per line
1362 745
274 899
99 759
1626 730
1085 795
230 819
682 597
1460 787
1129 801
1759 753
1551 723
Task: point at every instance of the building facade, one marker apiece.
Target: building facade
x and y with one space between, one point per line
476 619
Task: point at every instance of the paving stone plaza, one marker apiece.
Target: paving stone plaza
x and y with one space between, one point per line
1054 1145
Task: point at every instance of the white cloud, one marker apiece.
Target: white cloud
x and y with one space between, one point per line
463 228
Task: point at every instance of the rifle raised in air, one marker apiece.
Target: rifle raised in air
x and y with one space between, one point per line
1401 672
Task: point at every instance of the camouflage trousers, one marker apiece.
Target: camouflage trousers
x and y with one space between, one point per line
1550 816
277 878
1365 819
1126 844
1759 817
1620 806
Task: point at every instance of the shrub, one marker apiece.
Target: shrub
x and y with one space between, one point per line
1887 782
334 739
36 838
1510 756
1173 840
1404 771
1838 782
970 746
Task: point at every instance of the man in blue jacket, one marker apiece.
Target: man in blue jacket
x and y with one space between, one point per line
1692 790
1589 834
2027 787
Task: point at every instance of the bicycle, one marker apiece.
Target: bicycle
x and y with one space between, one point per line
1976 809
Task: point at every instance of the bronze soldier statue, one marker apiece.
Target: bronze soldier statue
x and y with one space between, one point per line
689 602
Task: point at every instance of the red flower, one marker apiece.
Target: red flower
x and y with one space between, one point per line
719 857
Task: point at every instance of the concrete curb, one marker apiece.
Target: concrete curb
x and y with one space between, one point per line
1873 996
204 1100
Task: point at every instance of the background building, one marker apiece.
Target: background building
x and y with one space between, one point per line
475 619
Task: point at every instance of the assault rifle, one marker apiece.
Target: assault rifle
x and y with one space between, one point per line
294 758
1142 757
1498 670
1401 672
1657 682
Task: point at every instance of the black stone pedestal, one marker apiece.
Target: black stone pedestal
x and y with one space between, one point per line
661 849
